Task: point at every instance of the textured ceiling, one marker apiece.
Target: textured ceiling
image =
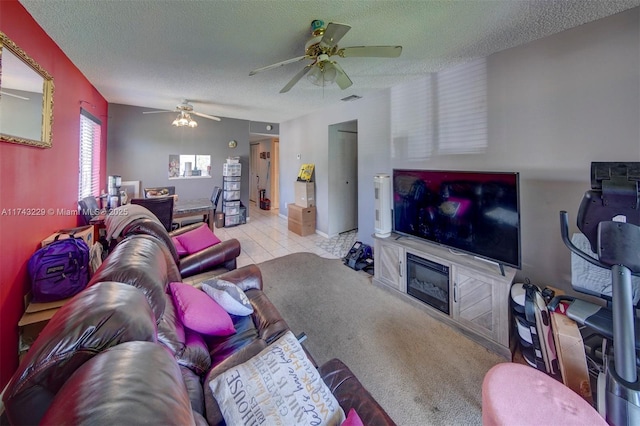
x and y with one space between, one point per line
156 53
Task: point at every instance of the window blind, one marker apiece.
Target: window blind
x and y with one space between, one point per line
411 120
462 108
89 167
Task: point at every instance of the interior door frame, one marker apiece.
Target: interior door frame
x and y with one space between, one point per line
253 169
275 174
338 194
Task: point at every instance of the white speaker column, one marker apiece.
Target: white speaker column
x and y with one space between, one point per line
382 188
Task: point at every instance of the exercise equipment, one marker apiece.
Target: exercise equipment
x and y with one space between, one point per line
609 217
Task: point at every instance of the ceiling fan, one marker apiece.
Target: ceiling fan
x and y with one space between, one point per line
321 47
184 111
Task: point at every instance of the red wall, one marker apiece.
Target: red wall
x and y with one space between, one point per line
38 178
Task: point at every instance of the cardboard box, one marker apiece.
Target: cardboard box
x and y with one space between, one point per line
301 220
300 229
571 355
35 318
84 232
302 215
305 194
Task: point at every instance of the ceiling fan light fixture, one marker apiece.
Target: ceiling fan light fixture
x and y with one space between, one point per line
323 74
184 119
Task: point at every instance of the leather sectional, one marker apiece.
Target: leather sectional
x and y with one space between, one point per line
117 353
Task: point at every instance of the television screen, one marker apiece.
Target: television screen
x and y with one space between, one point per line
473 212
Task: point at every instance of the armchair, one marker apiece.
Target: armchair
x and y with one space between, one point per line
212 260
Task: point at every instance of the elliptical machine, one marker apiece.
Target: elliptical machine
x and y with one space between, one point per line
609 217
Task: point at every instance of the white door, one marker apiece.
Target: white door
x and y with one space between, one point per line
275 174
253 172
343 169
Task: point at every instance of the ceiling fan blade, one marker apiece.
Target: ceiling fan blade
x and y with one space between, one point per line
342 80
296 78
210 117
370 51
279 64
155 112
2 92
333 34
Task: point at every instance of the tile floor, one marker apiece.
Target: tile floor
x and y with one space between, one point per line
265 236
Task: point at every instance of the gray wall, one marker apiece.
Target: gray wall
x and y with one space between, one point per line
139 146
553 106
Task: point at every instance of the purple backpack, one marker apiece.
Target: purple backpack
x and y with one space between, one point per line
59 270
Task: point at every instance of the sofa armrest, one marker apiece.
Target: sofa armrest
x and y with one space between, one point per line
184 229
246 277
350 393
223 254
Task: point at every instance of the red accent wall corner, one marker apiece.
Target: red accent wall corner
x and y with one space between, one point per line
39 178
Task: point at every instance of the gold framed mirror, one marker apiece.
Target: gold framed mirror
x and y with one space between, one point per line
26 97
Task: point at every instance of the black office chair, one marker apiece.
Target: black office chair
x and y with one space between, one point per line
88 208
215 198
162 207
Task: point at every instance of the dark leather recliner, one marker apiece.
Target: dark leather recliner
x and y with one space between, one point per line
213 260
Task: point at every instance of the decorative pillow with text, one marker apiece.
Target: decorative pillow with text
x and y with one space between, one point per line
279 385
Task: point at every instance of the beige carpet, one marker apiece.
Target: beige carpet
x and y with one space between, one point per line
421 371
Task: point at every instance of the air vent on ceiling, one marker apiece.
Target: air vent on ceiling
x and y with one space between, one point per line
351 98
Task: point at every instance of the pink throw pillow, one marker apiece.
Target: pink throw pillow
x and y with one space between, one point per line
198 239
352 419
179 247
199 312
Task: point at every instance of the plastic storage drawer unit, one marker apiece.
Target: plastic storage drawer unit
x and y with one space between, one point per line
230 184
232 220
231 207
231 169
231 195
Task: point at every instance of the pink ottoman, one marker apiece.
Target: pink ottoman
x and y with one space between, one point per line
515 394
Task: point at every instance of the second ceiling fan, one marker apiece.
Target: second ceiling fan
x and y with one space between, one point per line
184 111
321 47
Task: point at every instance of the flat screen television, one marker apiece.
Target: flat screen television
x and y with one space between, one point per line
469 211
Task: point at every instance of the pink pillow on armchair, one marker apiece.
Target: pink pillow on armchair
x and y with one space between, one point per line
198 239
179 247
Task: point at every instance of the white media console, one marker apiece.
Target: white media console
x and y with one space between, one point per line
476 300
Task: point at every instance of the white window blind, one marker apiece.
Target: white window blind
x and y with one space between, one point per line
411 123
89 169
462 108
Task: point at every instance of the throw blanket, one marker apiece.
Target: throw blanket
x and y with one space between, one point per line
120 217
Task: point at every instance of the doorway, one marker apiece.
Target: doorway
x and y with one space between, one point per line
343 177
264 169
254 176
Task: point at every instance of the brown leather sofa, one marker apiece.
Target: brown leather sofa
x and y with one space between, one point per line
118 354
